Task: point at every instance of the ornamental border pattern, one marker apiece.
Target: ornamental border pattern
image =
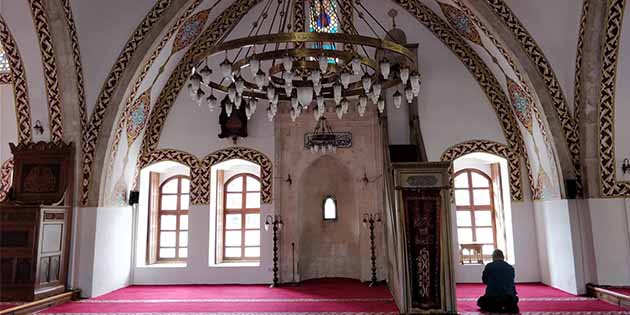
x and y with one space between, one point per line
522 83
480 72
200 169
473 63
537 56
225 22
6 78
91 134
247 154
122 120
6 169
577 81
20 89
78 67
40 20
514 166
609 186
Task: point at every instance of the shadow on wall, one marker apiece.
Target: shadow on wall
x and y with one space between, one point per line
328 248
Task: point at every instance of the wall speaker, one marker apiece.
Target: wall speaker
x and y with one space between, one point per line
134 197
570 186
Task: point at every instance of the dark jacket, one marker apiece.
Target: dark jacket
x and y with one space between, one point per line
499 278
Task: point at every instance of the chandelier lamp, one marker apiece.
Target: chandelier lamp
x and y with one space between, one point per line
323 139
304 71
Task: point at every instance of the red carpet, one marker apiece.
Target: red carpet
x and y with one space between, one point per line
318 297
331 296
539 299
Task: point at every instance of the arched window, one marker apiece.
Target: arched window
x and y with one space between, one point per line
323 18
174 199
474 201
241 232
330 208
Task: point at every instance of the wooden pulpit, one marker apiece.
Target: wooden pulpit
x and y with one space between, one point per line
35 222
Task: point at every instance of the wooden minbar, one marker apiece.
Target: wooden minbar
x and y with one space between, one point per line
35 222
424 224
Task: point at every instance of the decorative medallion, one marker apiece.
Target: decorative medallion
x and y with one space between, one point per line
521 103
461 22
138 114
188 32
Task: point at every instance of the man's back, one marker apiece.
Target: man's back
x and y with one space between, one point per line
499 278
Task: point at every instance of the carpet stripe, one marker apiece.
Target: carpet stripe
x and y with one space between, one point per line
540 299
297 300
555 313
240 313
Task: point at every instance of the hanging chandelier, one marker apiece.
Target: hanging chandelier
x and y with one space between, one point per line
303 70
323 139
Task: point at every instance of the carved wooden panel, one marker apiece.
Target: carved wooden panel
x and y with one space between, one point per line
422 211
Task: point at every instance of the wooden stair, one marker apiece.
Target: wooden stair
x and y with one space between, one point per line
604 293
32 307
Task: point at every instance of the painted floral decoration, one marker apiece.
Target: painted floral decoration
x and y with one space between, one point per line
188 32
461 22
521 103
138 114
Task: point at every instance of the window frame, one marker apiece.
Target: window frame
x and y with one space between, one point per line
243 211
472 208
178 212
324 209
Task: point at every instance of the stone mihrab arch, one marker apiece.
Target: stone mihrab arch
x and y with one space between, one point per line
514 165
20 90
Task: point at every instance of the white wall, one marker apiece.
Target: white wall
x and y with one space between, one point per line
622 93
103 243
555 30
566 244
8 122
18 17
610 219
197 270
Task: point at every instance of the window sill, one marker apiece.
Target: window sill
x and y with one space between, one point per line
236 264
165 265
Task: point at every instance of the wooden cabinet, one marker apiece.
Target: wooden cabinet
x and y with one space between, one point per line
33 251
35 237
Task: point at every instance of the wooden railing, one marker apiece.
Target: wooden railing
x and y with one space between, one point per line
32 307
612 297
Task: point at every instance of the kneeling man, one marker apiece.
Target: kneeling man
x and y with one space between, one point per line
500 295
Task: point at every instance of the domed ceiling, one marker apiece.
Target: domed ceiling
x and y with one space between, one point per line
125 81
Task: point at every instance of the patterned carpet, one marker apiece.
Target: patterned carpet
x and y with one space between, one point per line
317 297
539 299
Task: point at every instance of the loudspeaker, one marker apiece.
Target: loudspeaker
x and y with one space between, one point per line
570 186
404 153
134 197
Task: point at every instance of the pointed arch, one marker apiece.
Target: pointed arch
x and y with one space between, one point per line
514 165
20 90
247 154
